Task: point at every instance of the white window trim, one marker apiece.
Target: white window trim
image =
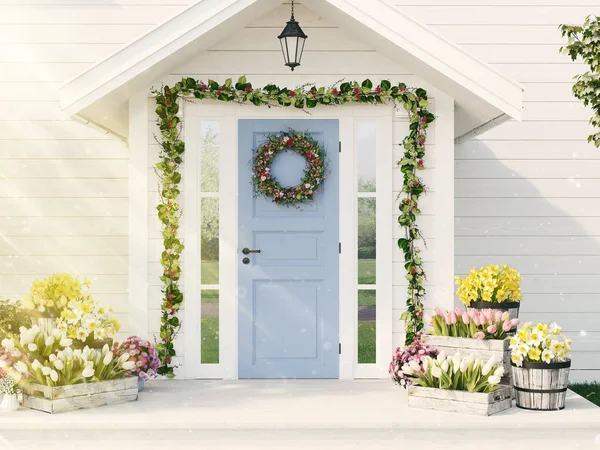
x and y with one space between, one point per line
228 116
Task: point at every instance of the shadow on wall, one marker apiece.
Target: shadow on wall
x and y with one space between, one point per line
542 216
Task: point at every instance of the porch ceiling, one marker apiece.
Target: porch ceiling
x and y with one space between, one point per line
101 93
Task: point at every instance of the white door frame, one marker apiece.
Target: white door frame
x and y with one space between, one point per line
228 115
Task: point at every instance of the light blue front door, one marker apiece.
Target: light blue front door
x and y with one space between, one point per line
288 293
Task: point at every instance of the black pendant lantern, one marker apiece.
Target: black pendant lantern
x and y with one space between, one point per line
292 42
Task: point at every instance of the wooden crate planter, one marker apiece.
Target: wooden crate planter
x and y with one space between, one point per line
476 403
79 396
541 386
480 349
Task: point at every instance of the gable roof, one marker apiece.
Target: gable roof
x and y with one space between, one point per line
481 93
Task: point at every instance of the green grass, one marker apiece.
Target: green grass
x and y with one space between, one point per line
210 296
367 352
366 271
591 391
366 298
209 271
210 340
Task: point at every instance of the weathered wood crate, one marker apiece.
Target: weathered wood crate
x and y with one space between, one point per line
480 349
79 396
541 386
475 403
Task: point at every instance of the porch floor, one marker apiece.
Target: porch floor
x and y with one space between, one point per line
293 414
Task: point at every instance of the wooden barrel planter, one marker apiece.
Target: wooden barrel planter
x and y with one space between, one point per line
541 386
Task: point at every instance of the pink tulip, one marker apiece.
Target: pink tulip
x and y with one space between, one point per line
438 312
476 320
497 316
506 326
428 320
447 319
458 311
489 315
505 316
514 322
492 329
480 335
452 317
472 312
465 318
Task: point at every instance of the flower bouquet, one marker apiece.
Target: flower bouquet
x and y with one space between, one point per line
491 287
540 366
48 297
8 393
142 355
411 357
87 323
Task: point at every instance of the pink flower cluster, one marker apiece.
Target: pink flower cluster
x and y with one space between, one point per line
472 323
417 351
142 353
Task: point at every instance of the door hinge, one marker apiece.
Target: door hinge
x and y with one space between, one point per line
340 247
340 348
340 146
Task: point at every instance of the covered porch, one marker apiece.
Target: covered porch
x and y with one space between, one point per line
294 414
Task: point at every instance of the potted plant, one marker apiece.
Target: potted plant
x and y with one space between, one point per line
8 391
491 287
142 354
540 366
482 333
413 355
459 384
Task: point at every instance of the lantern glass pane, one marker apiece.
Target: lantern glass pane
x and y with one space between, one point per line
283 47
295 41
303 40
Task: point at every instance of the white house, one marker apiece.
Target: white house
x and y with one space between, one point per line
83 198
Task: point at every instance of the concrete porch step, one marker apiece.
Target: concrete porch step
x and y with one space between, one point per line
294 414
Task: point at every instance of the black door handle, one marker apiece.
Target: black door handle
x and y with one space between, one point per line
247 251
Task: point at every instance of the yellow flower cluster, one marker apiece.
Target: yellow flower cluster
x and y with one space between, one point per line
52 294
69 300
490 284
539 343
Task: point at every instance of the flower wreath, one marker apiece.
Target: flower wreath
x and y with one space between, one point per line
266 185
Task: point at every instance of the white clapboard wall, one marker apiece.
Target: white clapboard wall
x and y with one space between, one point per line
529 194
63 185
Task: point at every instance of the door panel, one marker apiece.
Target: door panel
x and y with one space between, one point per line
288 293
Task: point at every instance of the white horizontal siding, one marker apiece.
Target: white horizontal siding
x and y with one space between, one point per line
63 186
527 194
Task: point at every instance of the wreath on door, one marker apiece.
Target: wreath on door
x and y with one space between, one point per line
266 185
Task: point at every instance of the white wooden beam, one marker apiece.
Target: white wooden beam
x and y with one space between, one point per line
138 214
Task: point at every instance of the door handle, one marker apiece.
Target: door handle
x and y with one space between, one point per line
247 251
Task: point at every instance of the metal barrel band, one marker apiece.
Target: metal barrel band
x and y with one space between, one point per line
538 409
540 391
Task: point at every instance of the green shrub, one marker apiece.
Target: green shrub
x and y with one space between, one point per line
12 317
366 252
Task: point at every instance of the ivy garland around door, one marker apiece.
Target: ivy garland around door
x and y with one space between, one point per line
415 102
266 185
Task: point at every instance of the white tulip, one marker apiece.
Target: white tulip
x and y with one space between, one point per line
494 380
21 366
108 358
493 360
49 341
456 358
87 372
436 371
59 364
36 365
464 365
124 357
56 333
441 356
54 376
8 344
426 363
32 347
52 357
105 348
414 365
128 365
46 370
407 369
499 371
445 366
66 342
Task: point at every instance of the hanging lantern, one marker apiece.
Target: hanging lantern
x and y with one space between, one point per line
292 42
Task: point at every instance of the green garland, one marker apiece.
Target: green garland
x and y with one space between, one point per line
305 97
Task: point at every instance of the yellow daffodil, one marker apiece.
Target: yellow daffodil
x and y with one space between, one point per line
534 354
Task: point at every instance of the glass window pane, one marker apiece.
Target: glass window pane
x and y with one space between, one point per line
209 240
366 240
209 156
366 132
209 327
367 329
